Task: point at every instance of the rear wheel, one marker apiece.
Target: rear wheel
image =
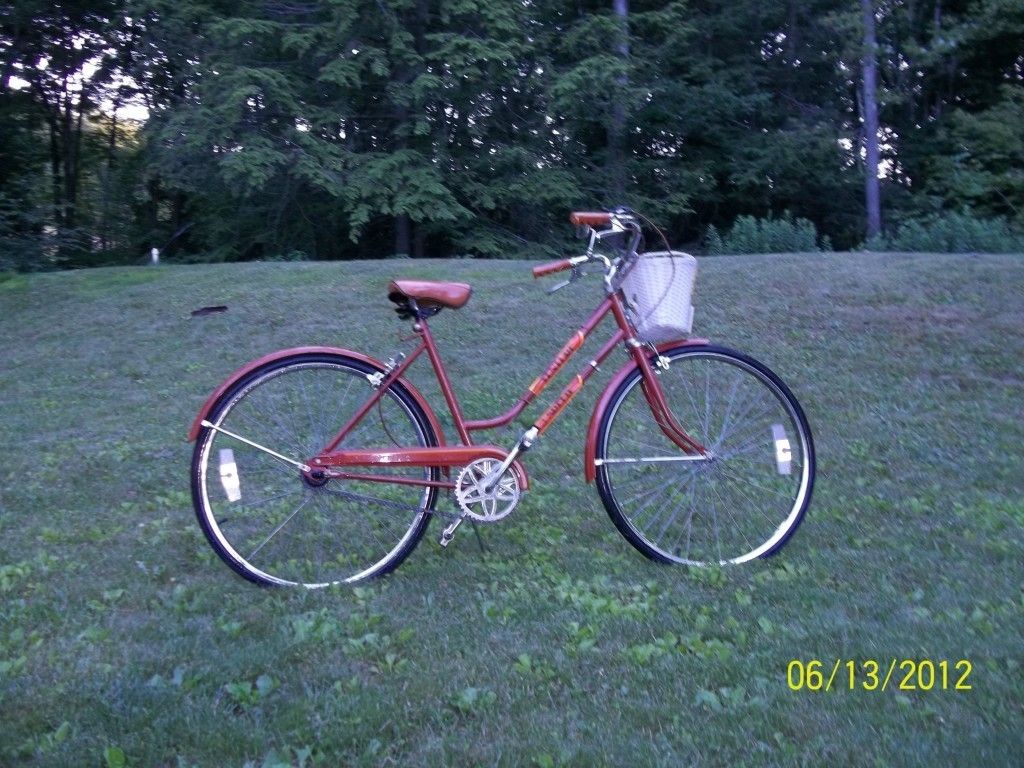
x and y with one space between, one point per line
272 523
742 503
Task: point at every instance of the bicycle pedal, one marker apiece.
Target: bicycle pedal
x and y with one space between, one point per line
449 533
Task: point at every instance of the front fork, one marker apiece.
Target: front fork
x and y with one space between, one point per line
655 397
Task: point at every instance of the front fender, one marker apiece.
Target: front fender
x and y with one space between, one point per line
249 367
590 448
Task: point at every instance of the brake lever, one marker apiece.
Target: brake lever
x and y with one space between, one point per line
573 277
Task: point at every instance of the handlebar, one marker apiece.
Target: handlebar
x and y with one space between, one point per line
552 266
589 218
621 221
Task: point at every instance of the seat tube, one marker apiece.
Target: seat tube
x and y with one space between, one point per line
423 329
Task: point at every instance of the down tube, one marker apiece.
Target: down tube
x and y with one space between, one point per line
574 386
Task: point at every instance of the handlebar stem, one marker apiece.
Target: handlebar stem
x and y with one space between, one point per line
619 224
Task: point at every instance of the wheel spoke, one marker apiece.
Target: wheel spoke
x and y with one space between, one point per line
279 528
386 503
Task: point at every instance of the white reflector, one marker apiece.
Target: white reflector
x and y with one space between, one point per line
783 453
229 475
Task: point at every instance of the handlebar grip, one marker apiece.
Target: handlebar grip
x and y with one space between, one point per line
552 266
589 218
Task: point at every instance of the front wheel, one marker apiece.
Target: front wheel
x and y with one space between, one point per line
273 524
742 503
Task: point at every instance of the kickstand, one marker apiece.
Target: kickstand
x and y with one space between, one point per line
479 538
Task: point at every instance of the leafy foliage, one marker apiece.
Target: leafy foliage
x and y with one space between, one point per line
361 129
952 233
782 235
983 168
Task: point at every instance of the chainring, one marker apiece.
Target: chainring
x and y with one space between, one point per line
482 498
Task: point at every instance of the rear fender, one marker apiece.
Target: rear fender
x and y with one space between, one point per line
590 448
249 367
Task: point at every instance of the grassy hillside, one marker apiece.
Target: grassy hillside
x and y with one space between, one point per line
120 632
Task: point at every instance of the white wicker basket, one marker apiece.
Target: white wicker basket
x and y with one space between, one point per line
659 290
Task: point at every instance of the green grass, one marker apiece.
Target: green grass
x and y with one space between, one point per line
123 640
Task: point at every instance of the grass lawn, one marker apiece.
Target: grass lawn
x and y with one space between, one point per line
125 641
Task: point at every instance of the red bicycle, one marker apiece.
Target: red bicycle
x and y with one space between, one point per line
319 465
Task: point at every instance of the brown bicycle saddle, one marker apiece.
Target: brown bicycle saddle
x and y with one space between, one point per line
429 293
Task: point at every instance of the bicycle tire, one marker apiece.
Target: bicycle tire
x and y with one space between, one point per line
322 547
747 458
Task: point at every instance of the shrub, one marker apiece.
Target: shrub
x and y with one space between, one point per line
951 233
713 242
24 245
294 254
771 235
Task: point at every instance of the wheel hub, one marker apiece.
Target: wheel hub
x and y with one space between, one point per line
315 478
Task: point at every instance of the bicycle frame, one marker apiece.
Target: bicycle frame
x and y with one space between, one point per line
670 497
331 459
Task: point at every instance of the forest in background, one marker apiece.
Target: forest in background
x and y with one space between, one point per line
293 129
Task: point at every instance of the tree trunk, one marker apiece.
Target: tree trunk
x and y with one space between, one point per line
70 134
869 67
402 234
419 241
75 172
617 129
55 181
153 207
108 183
792 21
178 211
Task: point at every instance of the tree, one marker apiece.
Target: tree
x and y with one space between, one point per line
364 128
617 125
869 69
982 168
359 128
949 74
60 53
